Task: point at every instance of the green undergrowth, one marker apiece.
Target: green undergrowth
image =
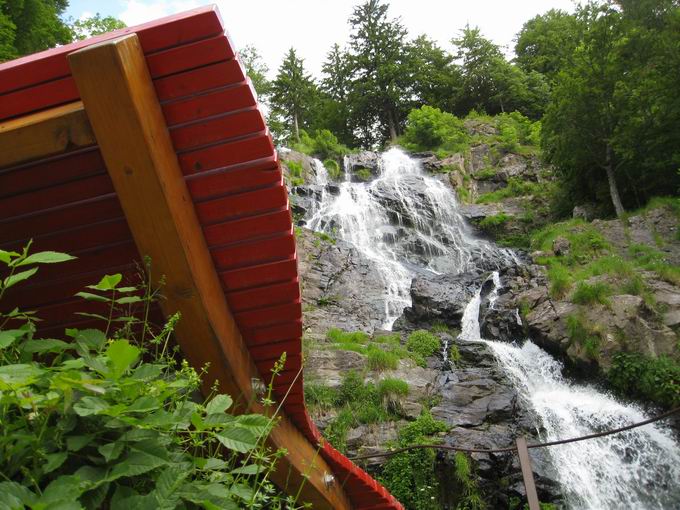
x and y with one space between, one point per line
655 380
384 352
516 187
321 144
411 476
590 255
588 336
356 402
112 417
296 175
470 497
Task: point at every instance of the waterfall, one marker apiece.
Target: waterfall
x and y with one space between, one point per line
403 221
637 469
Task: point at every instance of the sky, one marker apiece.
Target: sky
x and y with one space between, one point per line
313 26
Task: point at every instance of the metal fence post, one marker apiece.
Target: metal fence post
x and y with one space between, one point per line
527 474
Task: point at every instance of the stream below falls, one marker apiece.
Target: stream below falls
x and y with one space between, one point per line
406 222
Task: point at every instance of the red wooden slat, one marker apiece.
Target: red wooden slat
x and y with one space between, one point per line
34 225
44 95
223 100
259 274
242 204
272 334
216 129
199 80
265 296
254 253
50 172
225 154
156 35
196 54
234 179
277 314
56 196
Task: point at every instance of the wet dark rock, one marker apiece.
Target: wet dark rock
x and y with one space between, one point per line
439 298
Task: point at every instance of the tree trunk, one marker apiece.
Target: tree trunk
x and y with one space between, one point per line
392 126
297 128
613 189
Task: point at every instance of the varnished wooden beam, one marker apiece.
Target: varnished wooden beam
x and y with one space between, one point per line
116 88
44 134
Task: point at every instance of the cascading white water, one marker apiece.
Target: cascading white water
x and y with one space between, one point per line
637 469
401 212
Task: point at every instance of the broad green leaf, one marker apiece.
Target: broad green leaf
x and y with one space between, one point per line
256 423
252 469
237 439
54 460
108 282
144 404
92 297
143 457
168 484
45 257
73 364
219 404
45 345
88 406
147 371
14 495
243 491
94 499
128 300
21 374
75 443
64 490
121 355
125 290
111 451
19 277
92 315
93 338
213 463
6 256
9 336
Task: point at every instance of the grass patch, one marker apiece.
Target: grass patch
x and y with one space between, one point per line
560 280
379 360
485 174
423 344
654 260
493 224
654 380
587 294
584 334
363 174
516 187
454 353
320 396
333 169
471 498
338 336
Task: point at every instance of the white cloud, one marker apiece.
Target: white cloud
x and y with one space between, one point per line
312 26
136 12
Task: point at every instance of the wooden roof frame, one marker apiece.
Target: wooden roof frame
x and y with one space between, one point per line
105 93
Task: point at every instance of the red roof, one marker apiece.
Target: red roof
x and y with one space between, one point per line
68 203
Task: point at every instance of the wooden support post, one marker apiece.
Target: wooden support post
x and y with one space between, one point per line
120 101
44 134
527 474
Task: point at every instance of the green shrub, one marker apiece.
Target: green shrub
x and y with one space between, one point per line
655 380
587 294
336 335
494 223
391 386
486 174
422 343
320 396
333 168
470 498
363 174
411 476
454 353
516 187
110 419
652 259
322 144
393 339
380 360
584 335
429 128
560 280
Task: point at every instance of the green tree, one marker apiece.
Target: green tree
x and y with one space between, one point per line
28 26
434 79
257 71
293 93
581 121
96 25
493 84
378 88
546 42
333 110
